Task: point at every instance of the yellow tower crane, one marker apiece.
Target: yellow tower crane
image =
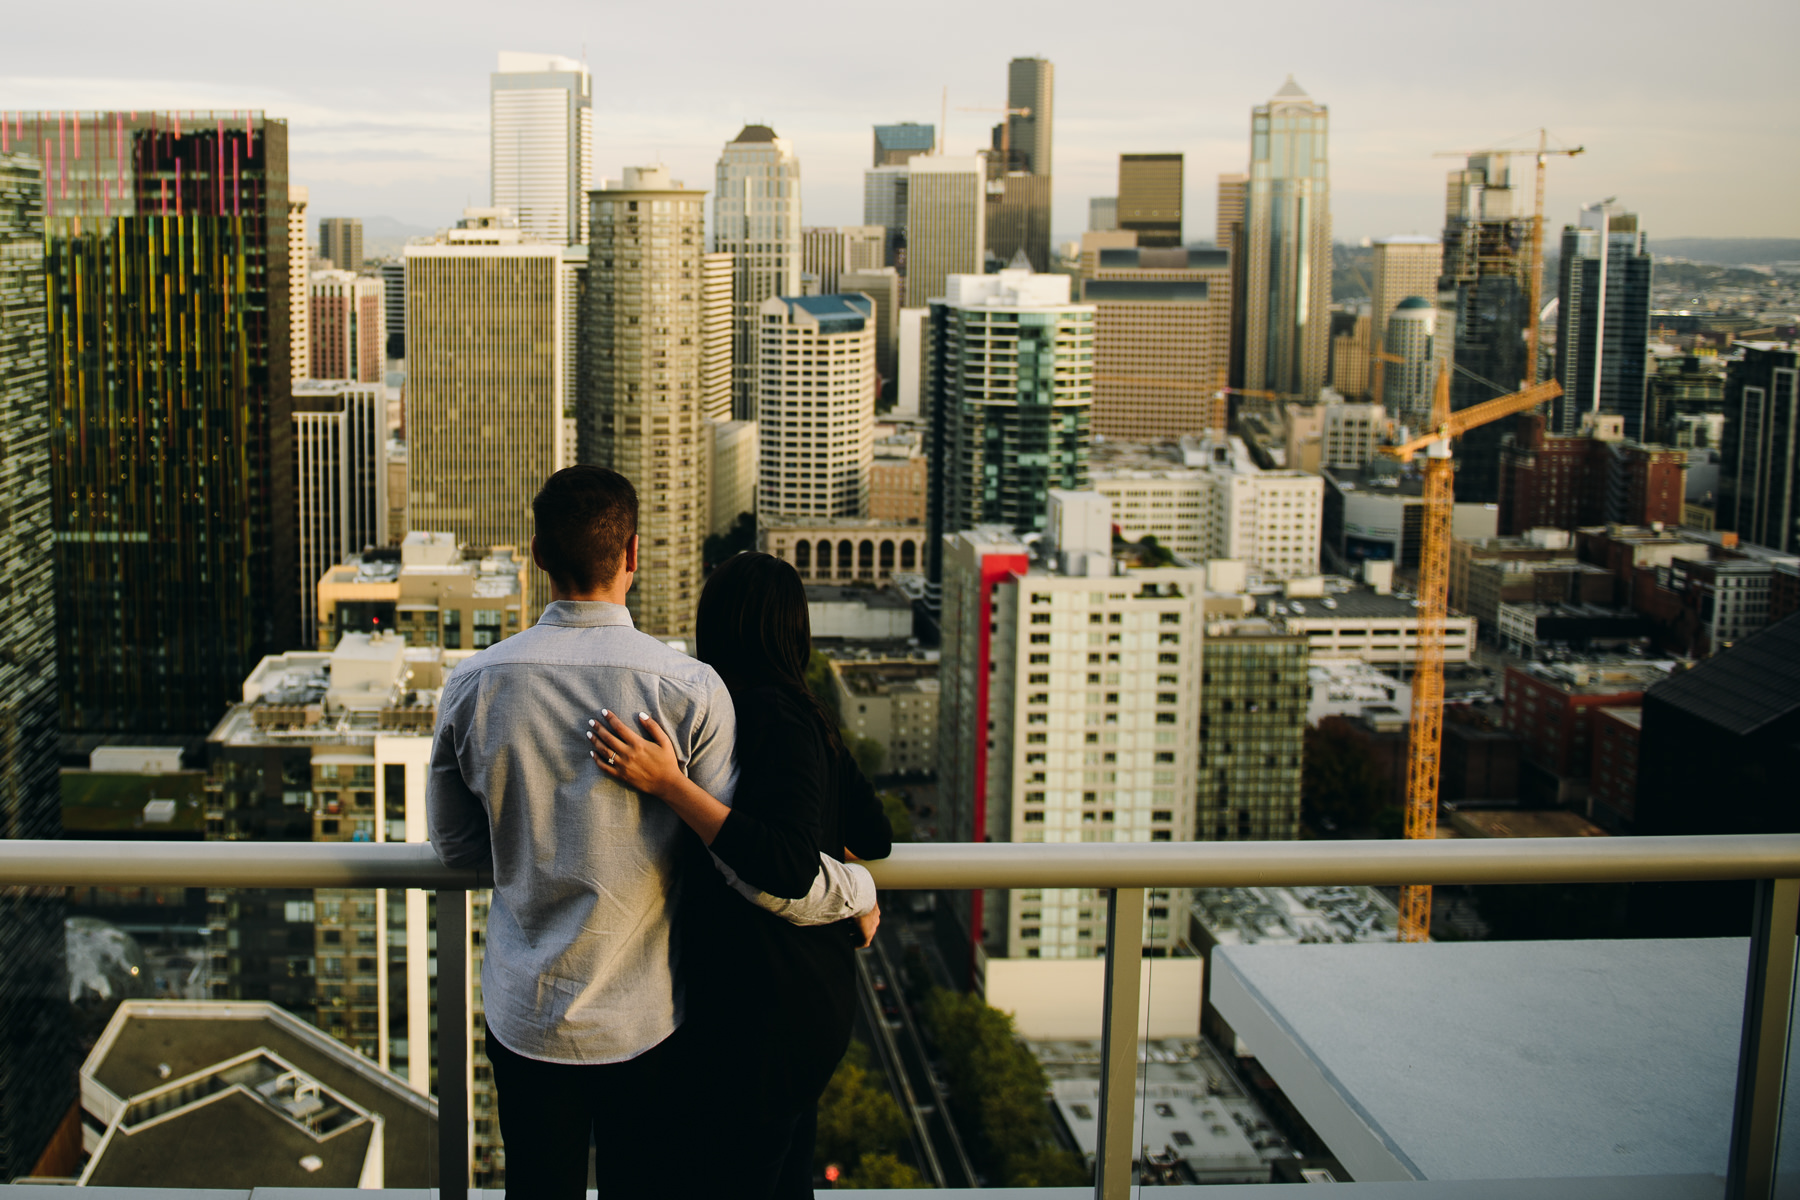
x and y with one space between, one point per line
1535 282
1425 748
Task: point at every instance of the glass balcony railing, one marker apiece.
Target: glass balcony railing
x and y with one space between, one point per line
1373 1065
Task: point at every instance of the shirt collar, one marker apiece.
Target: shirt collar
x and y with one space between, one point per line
585 613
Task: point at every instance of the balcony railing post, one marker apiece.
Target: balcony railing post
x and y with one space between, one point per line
453 1043
1763 1052
1119 1041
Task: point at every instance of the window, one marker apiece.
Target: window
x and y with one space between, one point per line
1171 618
1095 619
1169 639
1165 718
1165 697
1036 739
1034 817
1040 618
1040 639
1169 658
1034 797
1040 678
1038 660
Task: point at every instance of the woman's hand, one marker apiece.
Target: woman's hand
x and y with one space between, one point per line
868 923
646 765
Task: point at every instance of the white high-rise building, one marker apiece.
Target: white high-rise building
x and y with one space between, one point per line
756 219
541 149
1088 687
1353 434
828 251
816 407
1411 337
715 336
340 458
489 376
946 223
299 259
1217 503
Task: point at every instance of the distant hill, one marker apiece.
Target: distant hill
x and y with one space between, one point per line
1729 252
385 237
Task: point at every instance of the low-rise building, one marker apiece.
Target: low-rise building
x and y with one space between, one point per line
1343 687
1613 776
895 702
897 478
1367 624
858 614
431 591
845 551
1533 630
184 1095
1552 708
1376 512
1494 582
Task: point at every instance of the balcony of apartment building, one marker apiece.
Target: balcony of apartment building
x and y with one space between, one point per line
1628 1068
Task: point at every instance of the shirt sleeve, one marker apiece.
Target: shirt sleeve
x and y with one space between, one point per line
839 892
770 839
455 816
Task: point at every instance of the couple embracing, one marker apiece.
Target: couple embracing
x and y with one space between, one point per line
669 960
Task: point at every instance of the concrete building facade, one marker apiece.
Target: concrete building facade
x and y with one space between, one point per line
1150 198
491 373
541 144
756 220
1759 472
1162 341
845 551
348 319
946 223
643 385
1602 321
341 243
298 276
1253 705
816 428
340 457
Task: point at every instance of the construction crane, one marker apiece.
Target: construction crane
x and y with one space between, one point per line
1425 747
1536 280
1005 131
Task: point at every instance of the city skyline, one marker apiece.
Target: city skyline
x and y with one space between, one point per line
407 138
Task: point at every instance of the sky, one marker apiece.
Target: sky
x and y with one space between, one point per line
1689 118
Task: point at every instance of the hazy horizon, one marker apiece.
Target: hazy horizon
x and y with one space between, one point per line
1679 128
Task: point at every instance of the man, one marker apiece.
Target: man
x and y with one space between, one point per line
580 976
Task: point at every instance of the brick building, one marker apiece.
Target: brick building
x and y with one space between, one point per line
1562 482
1613 775
1552 709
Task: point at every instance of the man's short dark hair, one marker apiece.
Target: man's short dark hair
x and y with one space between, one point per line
585 518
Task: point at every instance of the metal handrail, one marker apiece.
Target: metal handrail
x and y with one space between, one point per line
965 864
1123 869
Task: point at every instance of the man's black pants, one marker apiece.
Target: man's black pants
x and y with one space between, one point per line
548 1111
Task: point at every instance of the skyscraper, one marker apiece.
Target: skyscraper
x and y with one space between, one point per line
756 219
884 204
883 286
895 145
946 223
541 152
349 326
1759 472
1031 83
1162 337
1234 195
489 375
37 1051
716 271
816 411
393 300
827 251
1602 320
166 241
299 272
1405 265
1018 220
1012 389
644 335
1407 385
1150 197
340 454
1484 309
1287 247
340 241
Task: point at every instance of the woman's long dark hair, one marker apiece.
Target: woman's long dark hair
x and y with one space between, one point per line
752 627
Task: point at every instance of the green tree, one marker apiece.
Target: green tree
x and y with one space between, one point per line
1341 788
858 1117
1153 553
898 815
720 546
869 754
998 1092
821 683
882 1171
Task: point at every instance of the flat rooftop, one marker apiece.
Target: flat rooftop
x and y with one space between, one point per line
1499 1060
1295 915
1507 823
825 593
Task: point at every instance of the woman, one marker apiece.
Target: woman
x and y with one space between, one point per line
769 1004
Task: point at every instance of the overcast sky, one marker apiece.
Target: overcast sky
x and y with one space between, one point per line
1690 115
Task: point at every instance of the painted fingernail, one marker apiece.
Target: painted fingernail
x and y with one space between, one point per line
592 722
605 712
643 716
